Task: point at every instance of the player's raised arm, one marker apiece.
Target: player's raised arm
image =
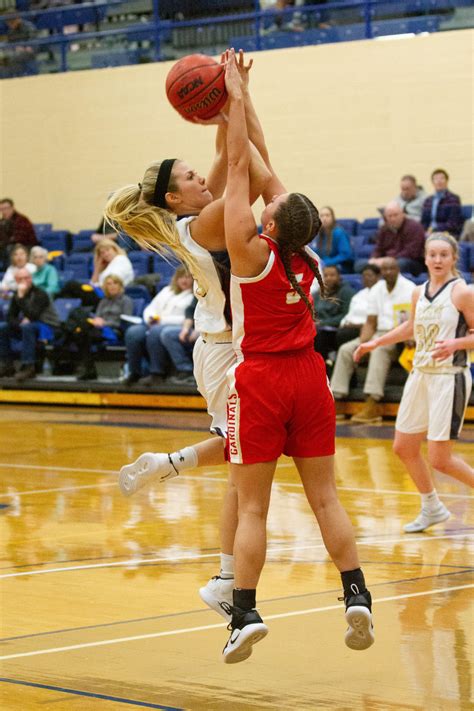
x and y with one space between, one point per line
248 254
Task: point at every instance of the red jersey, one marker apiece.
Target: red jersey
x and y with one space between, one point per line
268 315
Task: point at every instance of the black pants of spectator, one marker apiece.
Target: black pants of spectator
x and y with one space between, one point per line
325 341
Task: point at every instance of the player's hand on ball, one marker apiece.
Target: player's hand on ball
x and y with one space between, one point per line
233 82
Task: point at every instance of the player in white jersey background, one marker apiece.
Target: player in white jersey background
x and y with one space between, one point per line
438 388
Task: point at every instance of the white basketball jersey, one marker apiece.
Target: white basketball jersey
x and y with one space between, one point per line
437 319
209 315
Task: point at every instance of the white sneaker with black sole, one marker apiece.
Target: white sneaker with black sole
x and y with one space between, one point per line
147 468
217 594
246 629
360 632
425 519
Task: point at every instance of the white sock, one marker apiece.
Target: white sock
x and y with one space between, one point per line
227 566
185 458
430 502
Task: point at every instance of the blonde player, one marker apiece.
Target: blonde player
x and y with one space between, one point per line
437 391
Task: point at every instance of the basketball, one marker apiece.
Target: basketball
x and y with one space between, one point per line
195 86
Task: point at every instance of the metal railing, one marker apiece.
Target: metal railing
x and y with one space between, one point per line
153 38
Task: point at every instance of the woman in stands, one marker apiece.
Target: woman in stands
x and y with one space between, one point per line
333 244
109 259
273 333
19 259
102 327
144 340
437 391
46 276
174 208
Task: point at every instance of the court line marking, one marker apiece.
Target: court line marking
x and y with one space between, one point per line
91 694
63 488
202 628
203 477
202 610
200 556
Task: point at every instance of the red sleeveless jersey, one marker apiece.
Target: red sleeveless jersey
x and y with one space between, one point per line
268 315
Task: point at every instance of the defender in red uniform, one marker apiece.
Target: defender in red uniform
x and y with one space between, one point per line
279 397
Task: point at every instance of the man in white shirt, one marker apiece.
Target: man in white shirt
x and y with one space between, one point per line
389 304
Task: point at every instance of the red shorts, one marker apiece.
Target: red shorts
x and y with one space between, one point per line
280 404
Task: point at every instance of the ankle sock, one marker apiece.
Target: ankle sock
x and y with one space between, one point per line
185 458
227 567
244 599
350 578
430 502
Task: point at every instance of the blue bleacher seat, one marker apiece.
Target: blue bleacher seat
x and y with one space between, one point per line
467 211
370 223
81 241
163 267
138 306
354 280
55 240
363 251
471 256
464 261
140 262
64 276
42 227
64 306
349 224
80 265
138 291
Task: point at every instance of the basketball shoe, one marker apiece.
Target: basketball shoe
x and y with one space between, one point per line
217 594
246 628
148 467
425 519
360 633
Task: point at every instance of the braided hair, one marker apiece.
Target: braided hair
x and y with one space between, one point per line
298 224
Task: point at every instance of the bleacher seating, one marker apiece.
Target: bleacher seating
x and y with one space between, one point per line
80 265
140 262
64 307
81 241
55 241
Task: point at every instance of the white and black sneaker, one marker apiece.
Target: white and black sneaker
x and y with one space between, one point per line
425 519
246 629
147 468
217 594
360 633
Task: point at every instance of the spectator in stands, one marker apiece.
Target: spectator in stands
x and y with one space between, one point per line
21 60
29 310
109 258
442 211
46 275
282 22
14 229
332 243
331 309
411 198
355 318
389 299
399 237
105 326
178 341
19 259
144 341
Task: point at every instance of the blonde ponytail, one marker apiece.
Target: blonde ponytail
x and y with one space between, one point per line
151 227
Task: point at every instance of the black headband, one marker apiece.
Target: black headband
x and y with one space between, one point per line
162 182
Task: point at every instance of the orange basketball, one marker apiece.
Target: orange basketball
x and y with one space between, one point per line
195 86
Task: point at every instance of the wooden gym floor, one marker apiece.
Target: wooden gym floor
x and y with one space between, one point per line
99 598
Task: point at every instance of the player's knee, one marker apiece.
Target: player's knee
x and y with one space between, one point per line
439 460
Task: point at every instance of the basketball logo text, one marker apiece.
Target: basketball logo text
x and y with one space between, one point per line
190 86
232 403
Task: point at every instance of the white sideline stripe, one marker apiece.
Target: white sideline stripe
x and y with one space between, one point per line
206 477
64 488
142 561
170 633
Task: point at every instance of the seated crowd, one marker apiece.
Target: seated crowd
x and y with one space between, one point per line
369 277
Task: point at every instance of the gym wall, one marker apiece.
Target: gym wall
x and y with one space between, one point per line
343 122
